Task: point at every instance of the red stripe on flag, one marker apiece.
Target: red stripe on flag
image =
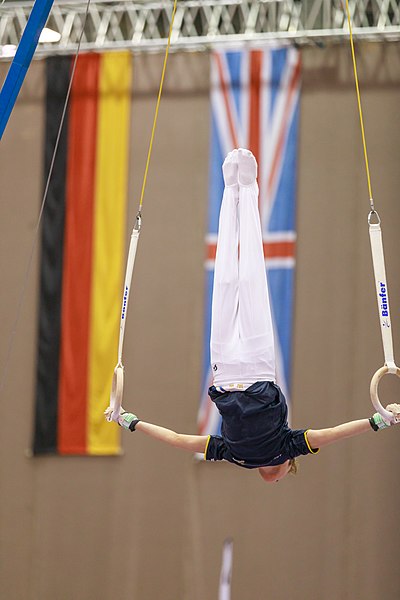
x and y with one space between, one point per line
255 99
278 249
225 93
72 414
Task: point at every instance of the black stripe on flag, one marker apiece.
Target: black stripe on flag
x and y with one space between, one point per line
58 71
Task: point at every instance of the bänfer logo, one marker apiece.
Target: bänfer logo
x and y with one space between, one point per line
384 301
124 302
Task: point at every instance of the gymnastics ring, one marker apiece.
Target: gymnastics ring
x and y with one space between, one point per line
386 414
117 390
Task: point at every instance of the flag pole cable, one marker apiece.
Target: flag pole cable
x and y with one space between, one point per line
378 259
113 411
24 285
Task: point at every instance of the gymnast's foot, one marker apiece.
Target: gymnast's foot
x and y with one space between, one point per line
230 168
247 167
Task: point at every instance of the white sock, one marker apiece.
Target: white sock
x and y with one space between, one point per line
247 167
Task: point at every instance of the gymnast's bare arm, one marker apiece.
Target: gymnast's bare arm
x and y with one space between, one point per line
318 438
192 443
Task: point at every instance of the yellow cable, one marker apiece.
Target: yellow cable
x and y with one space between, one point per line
157 106
359 107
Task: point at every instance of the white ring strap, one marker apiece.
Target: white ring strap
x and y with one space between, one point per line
381 289
117 389
127 287
375 234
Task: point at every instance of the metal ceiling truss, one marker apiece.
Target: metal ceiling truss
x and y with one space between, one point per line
144 25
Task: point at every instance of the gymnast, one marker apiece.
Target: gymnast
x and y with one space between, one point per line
255 433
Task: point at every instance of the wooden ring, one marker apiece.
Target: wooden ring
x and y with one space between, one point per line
117 390
386 414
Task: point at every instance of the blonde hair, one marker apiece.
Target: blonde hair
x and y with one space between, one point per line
294 465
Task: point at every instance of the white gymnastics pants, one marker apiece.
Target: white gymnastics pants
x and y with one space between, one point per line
242 342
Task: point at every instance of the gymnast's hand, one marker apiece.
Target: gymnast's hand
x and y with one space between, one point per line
382 423
109 416
395 409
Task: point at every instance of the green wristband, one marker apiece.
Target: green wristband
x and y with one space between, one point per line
128 421
378 422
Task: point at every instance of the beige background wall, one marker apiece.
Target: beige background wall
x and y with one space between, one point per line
150 524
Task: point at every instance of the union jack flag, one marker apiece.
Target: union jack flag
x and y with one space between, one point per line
255 105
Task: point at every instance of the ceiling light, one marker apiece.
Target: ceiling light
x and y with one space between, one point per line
7 50
49 36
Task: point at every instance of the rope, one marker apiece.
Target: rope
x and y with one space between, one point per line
113 411
22 293
360 112
157 107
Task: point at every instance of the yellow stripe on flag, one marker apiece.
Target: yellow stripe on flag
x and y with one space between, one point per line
111 184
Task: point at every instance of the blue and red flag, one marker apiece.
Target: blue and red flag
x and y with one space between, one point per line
255 105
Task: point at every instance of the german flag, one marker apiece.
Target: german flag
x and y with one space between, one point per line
82 253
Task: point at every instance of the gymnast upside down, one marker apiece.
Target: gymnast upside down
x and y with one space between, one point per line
255 433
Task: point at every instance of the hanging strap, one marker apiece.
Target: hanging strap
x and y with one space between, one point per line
127 284
113 411
375 234
360 112
382 295
136 230
378 259
153 131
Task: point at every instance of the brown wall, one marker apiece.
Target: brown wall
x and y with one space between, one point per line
150 524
